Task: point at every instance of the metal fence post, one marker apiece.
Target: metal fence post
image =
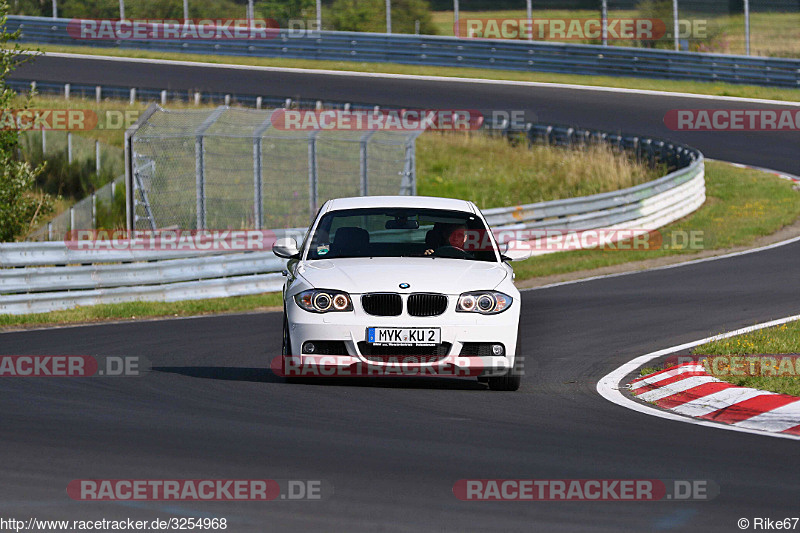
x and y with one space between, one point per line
200 165
200 191
69 147
98 93
258 193
408 185
66 91
747 26
313 176
604 21
49 231
675 23
97 157
455 19
44 141
71 218
163 97
133 96
363 163
94 211
529 14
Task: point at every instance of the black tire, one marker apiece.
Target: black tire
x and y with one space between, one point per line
513 378
286 349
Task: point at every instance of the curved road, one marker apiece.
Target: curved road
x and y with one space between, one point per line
393 449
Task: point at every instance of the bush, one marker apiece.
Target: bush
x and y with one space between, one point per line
370 15
21 207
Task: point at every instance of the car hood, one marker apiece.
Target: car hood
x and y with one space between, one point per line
385 274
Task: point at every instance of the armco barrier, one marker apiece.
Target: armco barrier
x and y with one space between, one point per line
454 52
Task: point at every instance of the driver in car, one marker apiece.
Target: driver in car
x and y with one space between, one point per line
452 240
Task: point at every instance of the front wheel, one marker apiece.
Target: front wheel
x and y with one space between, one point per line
513 378
286 348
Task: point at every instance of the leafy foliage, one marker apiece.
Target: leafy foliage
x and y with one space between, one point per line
20 207
370 15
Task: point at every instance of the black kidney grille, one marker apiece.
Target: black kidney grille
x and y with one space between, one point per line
424 304
382 304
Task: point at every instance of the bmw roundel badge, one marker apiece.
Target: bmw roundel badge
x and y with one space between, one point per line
404 285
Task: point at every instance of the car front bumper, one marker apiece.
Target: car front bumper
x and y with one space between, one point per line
460 334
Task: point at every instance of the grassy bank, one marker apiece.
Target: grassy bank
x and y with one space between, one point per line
716 89
137 310
784 339
741 205
493 172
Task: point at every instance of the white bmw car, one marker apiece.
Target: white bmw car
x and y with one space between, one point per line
389 285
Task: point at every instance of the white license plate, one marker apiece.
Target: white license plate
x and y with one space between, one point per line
404 336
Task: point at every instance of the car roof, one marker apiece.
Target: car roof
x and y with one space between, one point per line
427 202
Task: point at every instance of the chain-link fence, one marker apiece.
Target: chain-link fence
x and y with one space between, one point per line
235 169
76 166
103 209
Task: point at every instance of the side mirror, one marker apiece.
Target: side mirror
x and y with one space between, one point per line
516 250
286 248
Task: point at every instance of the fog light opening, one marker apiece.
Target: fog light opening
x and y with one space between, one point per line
497 349
308 347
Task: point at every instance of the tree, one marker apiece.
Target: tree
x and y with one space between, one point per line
20 206
285 10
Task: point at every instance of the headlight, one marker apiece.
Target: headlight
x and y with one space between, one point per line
483 302
324 301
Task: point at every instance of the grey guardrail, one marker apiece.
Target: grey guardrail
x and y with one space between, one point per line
88 277
451 51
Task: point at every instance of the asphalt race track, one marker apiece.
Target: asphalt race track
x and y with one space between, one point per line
641 114
392 449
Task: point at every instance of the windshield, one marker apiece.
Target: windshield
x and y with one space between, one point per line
402 232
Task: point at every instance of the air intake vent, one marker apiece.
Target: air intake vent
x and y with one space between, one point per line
382 304
423 304
405 354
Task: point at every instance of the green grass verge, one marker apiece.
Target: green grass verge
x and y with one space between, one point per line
493 172
716 89
784 339
741 205
136 310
